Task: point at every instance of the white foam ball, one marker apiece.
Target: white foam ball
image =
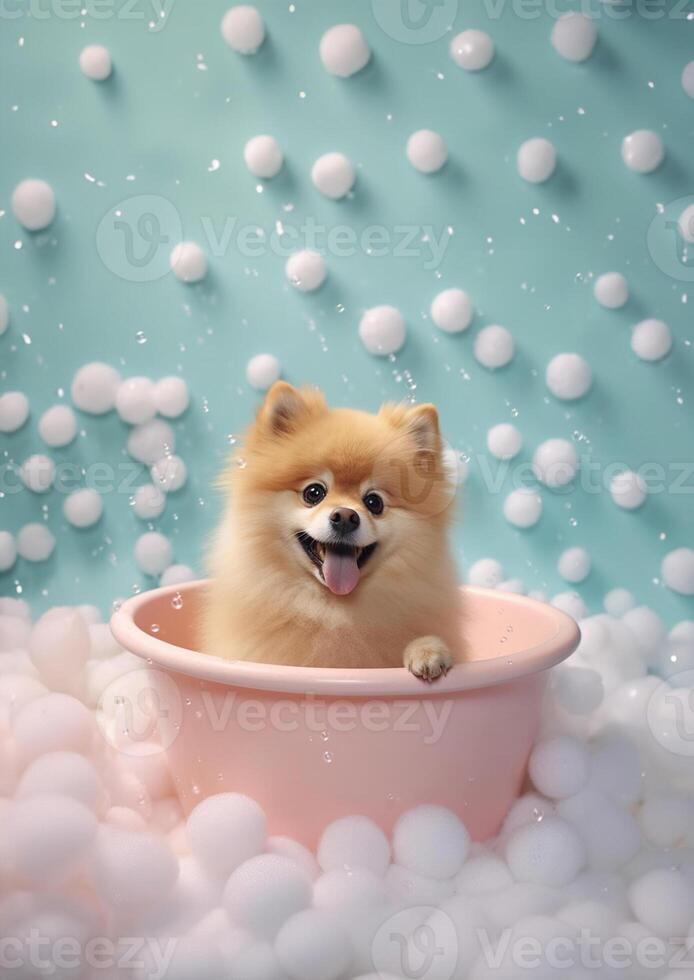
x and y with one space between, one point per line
224 831
52 723
357 889
382 330
486 572
171 397
682 632
483 874
688 79
94 388
611 290
63 774
472 50
35 542
133 870
504 441
48 837
306 270
514 585
59 648
555 462
188 262
149 502
83 508
8 551
177 575
574 564
263 156
663 900
523 507
628 490
4 315
651 340
262 371
95 62
38 473
169 474
150 441
643 151
686 224
579 690
568 376
14 411
559 766
546 852
610 833
264 892
102 643
574 36
451 310
17 689
431 840
135 400
677 570
494 347
312 945
666 821
344 50
253 961
647 629
58 426
427 151
406 887
153 552
536 160
287 847
243 29
618 601
33 204
333 175
571 603
353 842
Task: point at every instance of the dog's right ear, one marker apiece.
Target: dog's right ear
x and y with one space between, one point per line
285 407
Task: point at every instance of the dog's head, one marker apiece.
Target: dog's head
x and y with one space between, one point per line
341 493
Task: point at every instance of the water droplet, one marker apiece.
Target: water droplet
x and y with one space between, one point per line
177 601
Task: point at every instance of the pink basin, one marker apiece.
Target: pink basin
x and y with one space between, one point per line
311 745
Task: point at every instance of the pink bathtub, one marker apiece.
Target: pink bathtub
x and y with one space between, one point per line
313 744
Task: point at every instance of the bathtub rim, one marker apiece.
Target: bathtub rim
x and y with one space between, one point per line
365 682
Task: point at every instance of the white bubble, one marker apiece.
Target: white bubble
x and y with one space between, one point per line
262 371
133 870
579 690
651 340
686 223
135 400
333 175
342 890
8 551
666 821
354 842
149 442
171 397
344 50
555 462
153 552
472 50
571 603
243 29
536 160
451 310
288 847
306 270
611 290
95 62
643 151
677 570
35 542
663 900
55 722
188 262
545 852
58 426
610 833
313 945
169 473
224 831
263 156
48 851
14 411
618 601
4 315
523 507
149 502
94 388
33 204
688 79
628 490
177 575
382 330
574 36
427 151
486 572
504 441
431 840
83 508
263 892
559 766
63 774
494 347
38 473
483 874
568 376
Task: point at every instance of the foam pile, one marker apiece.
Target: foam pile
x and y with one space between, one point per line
592 874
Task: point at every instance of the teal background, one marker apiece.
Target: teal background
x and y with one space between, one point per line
180 98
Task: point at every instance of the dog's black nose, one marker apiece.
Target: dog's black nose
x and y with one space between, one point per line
344 519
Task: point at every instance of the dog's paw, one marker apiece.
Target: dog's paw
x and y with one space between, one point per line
428 657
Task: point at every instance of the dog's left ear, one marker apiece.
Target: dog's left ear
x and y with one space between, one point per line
423 423
285 407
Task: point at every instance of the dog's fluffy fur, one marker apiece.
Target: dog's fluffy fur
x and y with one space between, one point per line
391 582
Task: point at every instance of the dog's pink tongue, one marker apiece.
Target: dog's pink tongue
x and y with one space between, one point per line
341 572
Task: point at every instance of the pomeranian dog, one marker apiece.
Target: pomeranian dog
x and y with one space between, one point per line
333 548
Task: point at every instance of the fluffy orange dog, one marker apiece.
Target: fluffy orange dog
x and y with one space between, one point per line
333 549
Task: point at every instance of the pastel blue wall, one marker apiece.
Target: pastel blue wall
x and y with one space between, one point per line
180 99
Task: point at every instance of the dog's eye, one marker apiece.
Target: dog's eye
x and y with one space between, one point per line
373 503
313 494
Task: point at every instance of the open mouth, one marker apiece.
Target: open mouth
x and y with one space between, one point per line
339 564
